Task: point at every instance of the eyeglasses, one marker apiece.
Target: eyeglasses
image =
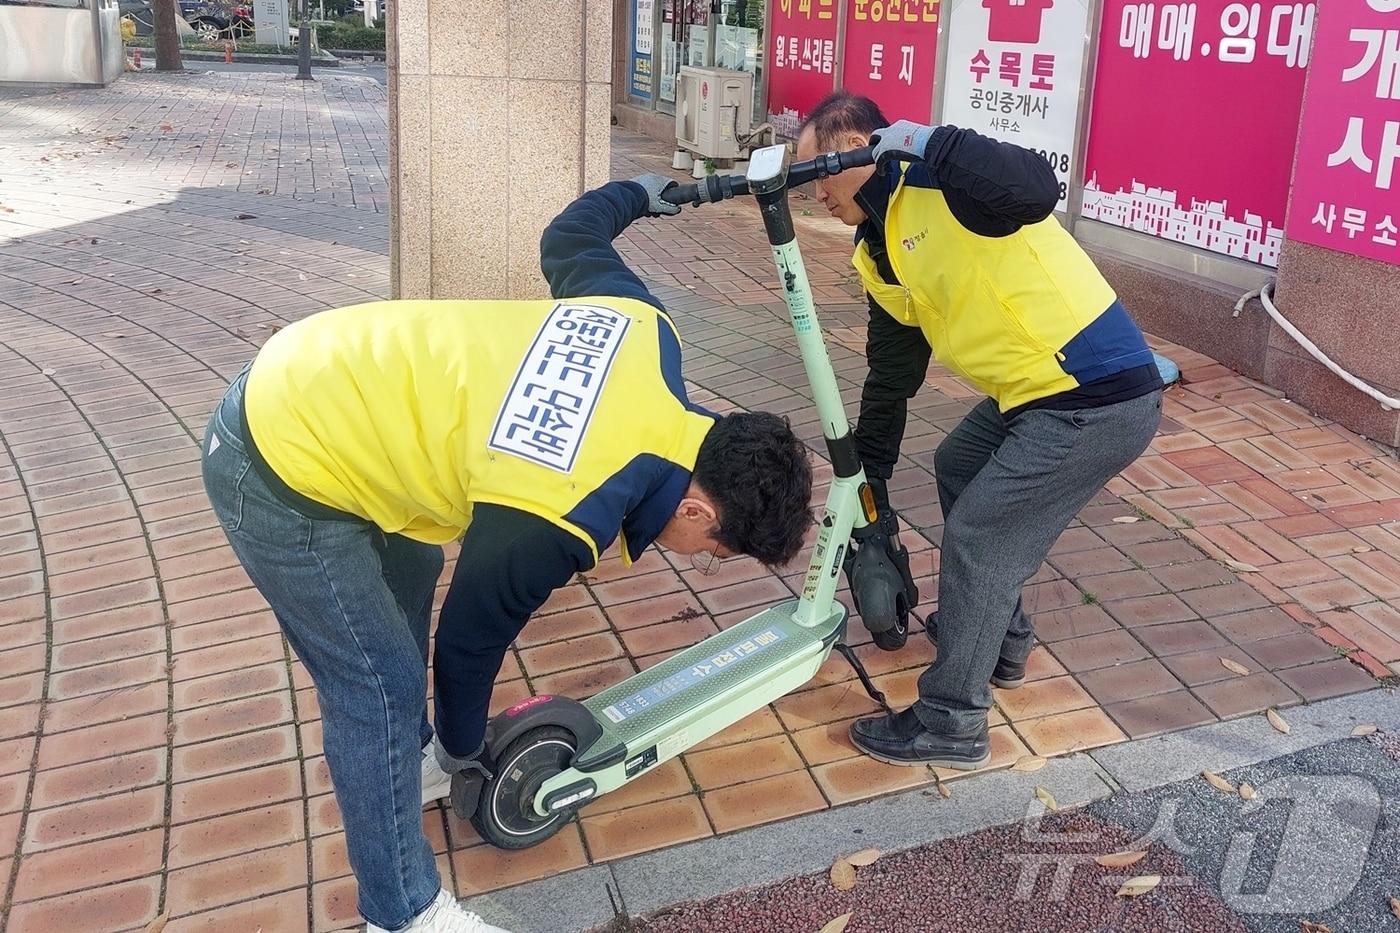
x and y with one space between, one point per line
707 562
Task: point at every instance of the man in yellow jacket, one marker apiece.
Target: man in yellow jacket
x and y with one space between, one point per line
961 257
362 439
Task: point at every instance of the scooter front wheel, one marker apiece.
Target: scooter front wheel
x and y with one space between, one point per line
505 816
894 637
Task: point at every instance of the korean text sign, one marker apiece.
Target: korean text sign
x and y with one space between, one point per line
642 30
891 50
1346 188
1013 73
802 59
1195 116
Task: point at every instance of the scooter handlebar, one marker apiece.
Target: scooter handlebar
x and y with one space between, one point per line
722 187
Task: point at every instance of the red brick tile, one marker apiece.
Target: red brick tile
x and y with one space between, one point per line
562 625
1332 594
88 865
250 830
1069 732
1298 573
761 593
1374 581
749 761
673 607
632 588
235 716
22 634
1330 544
1180 638
1166 712
668 636
146 615
103 741
1365 635
334 904
1241 695
219 688
235 879
220 606
763 801
1042 698
1290 650
576 652
1254 624
1047 597
105 776
222 631
823 704
642 829
1073 622
23 660
111 907
108 816
196 800
758 724
101 600
1383 616
16 754
1365 513
1191 576
233 754
583 682
106 677
219 658
1202 667
667 780
1101 650
1149 610
862 777
108 648
285 913
21 688
1129 681
1220 600
482 868
1298 526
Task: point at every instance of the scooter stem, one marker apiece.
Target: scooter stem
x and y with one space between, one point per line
767 182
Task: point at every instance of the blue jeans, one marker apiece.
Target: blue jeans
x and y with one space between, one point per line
355 604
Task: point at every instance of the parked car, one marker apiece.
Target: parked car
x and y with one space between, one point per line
211 20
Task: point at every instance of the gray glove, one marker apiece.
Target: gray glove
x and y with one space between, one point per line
654 185
905 141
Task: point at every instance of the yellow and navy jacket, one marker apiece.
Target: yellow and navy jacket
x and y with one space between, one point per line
961 254
538 431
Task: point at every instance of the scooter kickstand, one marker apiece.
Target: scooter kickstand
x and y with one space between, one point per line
866 682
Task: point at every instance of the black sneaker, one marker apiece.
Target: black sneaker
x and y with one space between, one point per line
901 739
1008 674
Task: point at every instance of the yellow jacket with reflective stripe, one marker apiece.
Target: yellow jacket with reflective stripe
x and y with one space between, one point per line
407 413
1022 317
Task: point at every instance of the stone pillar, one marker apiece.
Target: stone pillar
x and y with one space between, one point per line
499 115
1348 307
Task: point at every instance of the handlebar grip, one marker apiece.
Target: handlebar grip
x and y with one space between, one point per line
682 194
857 158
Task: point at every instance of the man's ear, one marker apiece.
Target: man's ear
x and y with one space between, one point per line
696 509
857 140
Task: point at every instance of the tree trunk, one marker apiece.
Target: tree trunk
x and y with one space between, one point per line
165 13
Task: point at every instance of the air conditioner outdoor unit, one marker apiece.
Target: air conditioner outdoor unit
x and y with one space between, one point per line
714 111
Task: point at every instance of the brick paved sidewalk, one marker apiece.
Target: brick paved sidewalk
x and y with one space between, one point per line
160 747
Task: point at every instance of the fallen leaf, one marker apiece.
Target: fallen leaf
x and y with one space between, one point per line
1047 798
843 875
1311 927
836 924
166 127
1140 885
1127 519
1366 728
864 857
943 790
158 924
1395 907
1247 792
117 336
1120 859
1234 666
1240 566
1362 549
1277 721
49 372
1029 763
245 216
1218 782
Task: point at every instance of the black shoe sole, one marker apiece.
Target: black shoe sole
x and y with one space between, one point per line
957 764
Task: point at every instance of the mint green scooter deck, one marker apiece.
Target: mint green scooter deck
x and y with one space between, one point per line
667 709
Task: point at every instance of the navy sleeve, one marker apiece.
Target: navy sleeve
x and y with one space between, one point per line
898 357
511 561
576 251
993 188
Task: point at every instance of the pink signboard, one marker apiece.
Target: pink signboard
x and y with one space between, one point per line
1195 119
1346 188
802 59
891 49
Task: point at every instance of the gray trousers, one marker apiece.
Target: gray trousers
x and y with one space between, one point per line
1008 488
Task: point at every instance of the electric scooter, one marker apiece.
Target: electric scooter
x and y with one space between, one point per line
555 754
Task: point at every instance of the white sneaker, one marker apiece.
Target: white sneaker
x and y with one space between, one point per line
437 783
444 915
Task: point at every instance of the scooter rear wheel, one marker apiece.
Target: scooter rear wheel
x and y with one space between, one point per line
505 816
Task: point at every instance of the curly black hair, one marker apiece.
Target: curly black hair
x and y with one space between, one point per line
757 472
